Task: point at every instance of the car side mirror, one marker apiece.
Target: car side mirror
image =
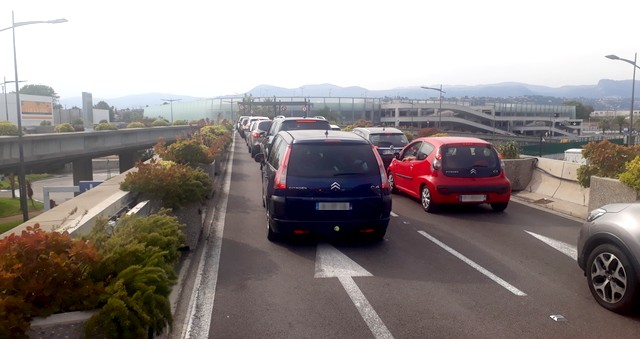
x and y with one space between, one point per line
259 157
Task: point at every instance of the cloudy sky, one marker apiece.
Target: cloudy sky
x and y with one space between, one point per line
209 48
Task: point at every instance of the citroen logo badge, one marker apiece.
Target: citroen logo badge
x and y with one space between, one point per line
335 186
473 171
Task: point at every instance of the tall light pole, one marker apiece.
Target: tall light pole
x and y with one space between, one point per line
633 89
440 109
21 174
171 102
4 92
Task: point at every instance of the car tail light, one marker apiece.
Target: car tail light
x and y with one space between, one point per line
501 162
383 175
280 181
437 161
256 134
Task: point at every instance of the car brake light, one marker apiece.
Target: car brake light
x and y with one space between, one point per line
256 134
280 181
383 174
437 162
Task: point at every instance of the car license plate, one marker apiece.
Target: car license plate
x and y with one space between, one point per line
473 198
333 206
388 151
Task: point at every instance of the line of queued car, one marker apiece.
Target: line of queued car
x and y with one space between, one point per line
316 180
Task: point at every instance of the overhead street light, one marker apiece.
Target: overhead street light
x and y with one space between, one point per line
21 174
4 92
440 109
171 101
633 89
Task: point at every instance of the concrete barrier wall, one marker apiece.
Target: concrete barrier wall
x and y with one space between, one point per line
557 179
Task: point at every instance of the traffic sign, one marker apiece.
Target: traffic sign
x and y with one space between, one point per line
304 109
283 108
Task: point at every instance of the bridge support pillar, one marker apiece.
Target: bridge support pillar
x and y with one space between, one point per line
82 171
126 160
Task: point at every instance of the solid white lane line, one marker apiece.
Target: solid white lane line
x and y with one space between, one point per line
471 263
563 247
371 318
201 302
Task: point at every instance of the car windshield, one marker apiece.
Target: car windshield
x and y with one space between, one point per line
388 139
332 160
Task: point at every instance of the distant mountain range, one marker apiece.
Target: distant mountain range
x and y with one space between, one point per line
605 90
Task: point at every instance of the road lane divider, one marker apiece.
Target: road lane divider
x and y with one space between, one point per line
471 263
564 248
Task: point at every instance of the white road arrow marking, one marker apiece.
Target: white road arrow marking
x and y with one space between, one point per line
331 263
563 247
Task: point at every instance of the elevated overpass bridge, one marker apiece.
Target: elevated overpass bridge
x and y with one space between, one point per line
80 148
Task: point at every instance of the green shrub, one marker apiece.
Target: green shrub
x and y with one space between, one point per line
427 132
45 123
136 124
509 150
105 126
64 128
139 254
7 128
160 122
171 183
180 122
186 151
631 175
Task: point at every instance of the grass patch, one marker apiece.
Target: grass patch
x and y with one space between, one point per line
9 225
9 207
5 184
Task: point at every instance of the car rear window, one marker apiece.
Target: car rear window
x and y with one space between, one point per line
289 125
462 157
332 159
264 125
388 139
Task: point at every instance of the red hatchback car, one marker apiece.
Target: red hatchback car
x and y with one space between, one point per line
450 170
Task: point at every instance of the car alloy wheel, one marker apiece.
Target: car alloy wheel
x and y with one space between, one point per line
392 183
611 278
426 200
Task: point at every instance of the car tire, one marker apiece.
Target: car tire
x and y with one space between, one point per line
427 200
392 183
271 235
499 206
607 267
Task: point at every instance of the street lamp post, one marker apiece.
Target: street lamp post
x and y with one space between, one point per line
4 92
171 103
633 89
440 109
21 174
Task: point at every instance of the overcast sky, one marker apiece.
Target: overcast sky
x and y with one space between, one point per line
209 48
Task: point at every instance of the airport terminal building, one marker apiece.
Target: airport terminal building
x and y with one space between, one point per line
509 119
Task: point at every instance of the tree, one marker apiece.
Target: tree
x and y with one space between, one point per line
42 90
620 121
582 111
604 124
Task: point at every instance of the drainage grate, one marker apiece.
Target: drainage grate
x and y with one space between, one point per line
543 201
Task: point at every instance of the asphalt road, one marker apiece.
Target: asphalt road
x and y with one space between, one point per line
465 272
